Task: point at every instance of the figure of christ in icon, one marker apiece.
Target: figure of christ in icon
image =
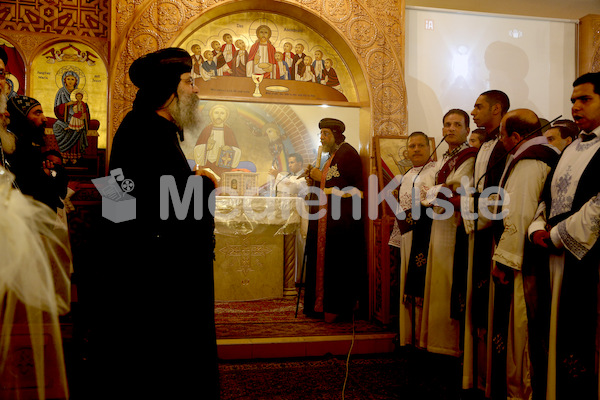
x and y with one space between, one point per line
261 57
217 147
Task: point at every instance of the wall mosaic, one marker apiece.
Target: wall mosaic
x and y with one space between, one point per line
373 31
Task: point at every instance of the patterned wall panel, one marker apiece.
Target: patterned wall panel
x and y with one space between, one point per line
68 17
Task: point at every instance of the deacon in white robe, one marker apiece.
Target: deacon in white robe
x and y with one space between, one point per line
567 231
522 182
440 332
410 313
488 110
574 232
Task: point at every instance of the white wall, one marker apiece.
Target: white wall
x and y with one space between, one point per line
311 115
572 9
452 57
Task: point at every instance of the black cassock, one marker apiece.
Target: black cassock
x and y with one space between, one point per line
153 330
342 244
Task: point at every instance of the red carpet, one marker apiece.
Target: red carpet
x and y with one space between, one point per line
404 375
275 318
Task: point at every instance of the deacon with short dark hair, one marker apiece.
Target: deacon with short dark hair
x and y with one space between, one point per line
155 334
336 262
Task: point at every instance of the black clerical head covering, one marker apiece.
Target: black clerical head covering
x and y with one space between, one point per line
158 74
3 56
19 107
337 128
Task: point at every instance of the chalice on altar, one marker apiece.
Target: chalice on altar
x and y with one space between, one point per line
257 79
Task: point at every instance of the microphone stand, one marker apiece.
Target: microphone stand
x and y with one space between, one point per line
300 284
288 174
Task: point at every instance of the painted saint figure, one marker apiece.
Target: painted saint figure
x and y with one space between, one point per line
318 65
229 52
197 61
288 57
64 108
209 66
284 69
330 77
241 58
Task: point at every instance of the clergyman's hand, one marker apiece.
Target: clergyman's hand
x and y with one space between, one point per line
540 238
502 274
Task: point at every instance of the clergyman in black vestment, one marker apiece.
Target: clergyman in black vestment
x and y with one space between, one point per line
154 331
336 260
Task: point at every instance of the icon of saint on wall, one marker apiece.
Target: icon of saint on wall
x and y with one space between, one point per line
72 112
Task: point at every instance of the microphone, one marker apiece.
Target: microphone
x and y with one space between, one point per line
503 158
288 174
317 164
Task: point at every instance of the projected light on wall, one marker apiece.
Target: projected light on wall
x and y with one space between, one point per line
532 60
460 62
515 34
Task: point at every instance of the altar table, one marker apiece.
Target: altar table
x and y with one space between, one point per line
255 254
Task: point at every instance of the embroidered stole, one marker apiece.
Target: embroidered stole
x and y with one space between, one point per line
460 258
453 163
414 287
417 265
571 167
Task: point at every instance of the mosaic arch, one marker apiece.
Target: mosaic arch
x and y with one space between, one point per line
368 35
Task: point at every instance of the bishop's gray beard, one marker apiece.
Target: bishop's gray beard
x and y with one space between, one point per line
7 139
185 112
330 149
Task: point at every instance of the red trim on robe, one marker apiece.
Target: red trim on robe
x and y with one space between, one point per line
321 244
